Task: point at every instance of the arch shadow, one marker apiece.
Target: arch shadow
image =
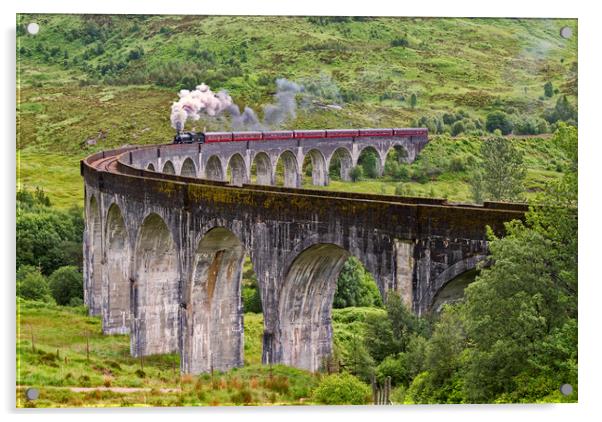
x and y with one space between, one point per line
116 319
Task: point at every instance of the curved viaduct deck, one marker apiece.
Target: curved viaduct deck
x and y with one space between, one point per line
163 256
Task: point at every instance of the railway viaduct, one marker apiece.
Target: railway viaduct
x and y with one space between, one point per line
168 228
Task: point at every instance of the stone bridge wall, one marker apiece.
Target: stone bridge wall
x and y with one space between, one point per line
163 256
214 160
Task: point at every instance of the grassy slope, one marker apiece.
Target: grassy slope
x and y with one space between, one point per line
472 64
58 360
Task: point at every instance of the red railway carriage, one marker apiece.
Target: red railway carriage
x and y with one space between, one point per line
218 136
278 134
247 136
410 132
342 133
376 132
310 134
191 137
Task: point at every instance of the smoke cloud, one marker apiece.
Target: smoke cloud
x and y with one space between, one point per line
192 104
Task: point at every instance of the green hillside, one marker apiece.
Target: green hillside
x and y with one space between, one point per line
97 82
369 66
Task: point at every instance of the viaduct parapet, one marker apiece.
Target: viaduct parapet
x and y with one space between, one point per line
168 228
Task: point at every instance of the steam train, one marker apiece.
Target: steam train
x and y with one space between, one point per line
208 137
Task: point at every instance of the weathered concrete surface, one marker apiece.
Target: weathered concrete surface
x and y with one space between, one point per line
180 243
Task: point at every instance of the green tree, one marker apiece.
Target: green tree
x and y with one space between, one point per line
548 89
47 237
65 284
502 170
441 382
341 389
520 314
357 173
369 161
395 367
499 120
358 360
413 100
33 286
251 299
378 337
392 333
563 111
457 128
355 286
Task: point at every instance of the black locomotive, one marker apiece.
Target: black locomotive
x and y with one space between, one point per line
189 138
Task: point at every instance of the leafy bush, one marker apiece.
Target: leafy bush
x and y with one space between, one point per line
357 173
32 285
251 299
341 389
66 285
548 89
395 367
47 237
356 286
563 111
400 42
499 120
457 128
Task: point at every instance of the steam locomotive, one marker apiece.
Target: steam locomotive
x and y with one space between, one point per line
208 137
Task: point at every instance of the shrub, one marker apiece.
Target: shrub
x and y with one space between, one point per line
355 286
32 285
66 284
413 100
400 42
402 190
548 89
457 128
357 173
395 367
341 389
251 299
457 164
499 120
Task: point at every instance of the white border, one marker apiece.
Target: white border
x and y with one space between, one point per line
590 80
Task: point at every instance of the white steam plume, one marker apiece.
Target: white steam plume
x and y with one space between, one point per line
192 103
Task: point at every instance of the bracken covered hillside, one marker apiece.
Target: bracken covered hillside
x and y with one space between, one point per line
370 66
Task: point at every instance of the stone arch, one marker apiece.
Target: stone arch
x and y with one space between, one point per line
319 170
290 169
94 291
362 157
237 170
262 167
341 158
155 294
116 319
188 168
401 152
214 317
150 167
449 285
213 169
305 306
168 168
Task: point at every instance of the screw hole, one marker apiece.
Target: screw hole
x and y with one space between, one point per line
566 32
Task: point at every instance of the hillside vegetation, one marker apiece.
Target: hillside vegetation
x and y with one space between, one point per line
87 83
79 75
